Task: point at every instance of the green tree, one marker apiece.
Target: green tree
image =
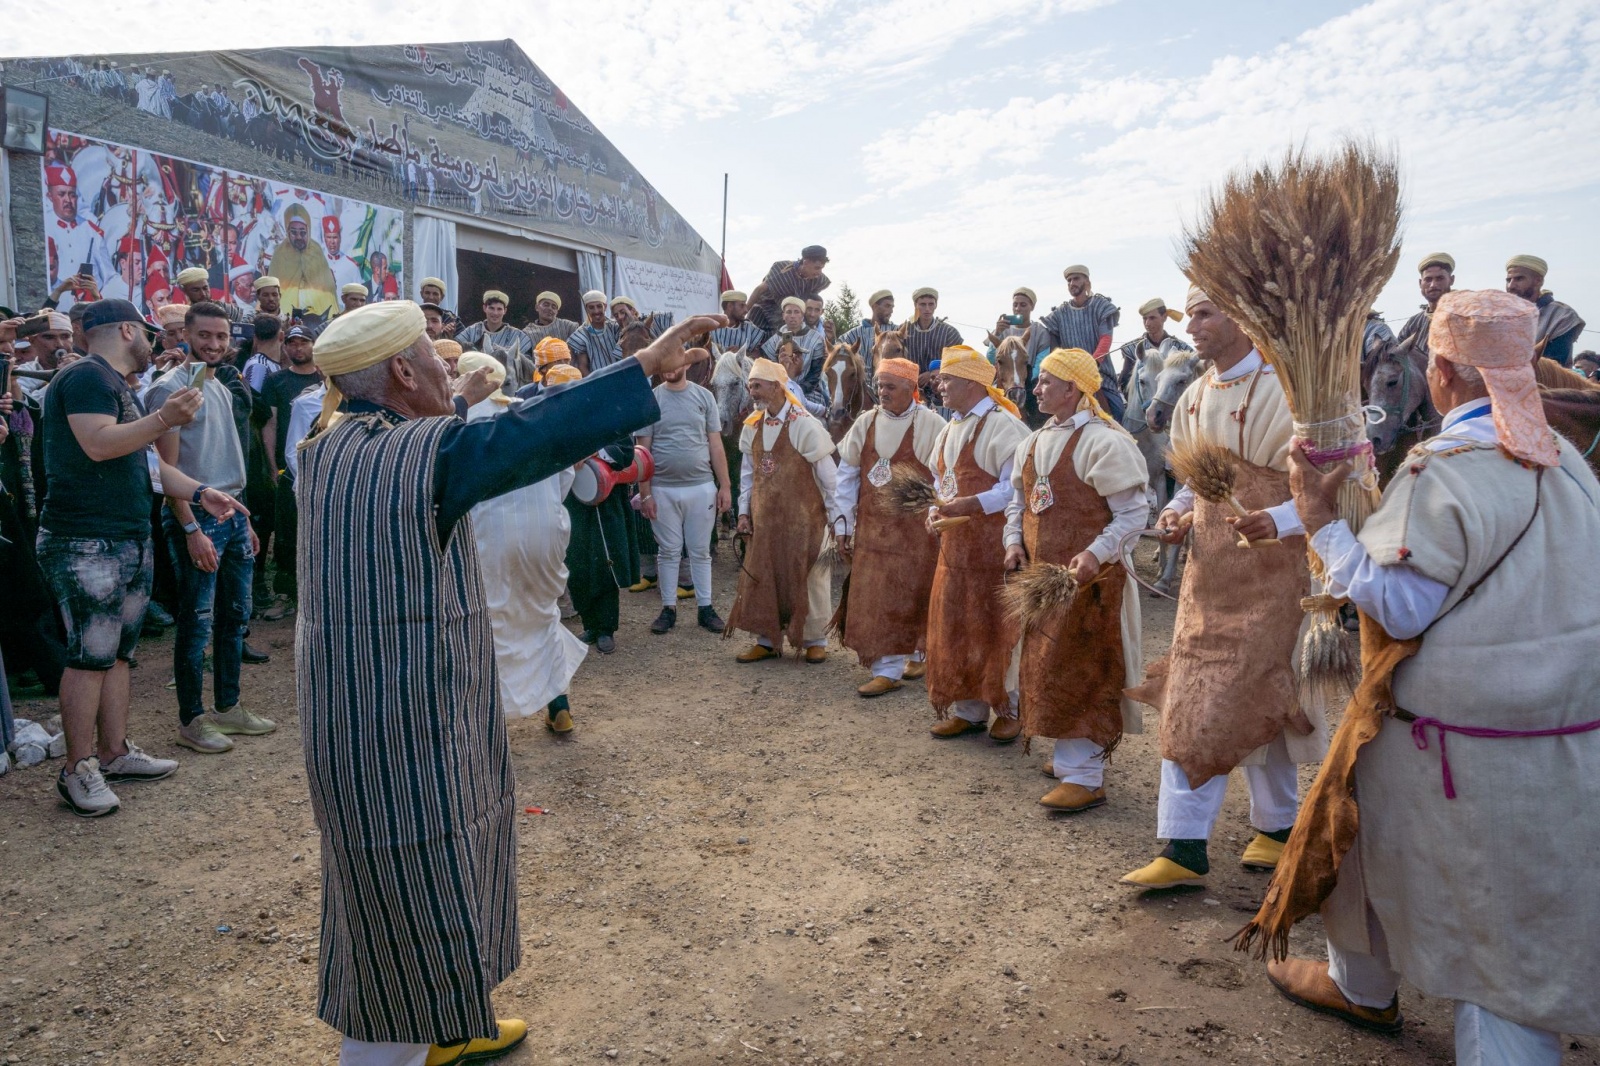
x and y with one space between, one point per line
844 312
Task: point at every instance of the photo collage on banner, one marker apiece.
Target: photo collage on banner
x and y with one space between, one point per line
134 220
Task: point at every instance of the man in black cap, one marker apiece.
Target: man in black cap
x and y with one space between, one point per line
94 541
799 278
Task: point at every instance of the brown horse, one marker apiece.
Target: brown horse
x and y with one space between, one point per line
1011 369
845 373
1572 407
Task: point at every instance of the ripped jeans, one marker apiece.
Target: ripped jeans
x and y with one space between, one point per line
212 607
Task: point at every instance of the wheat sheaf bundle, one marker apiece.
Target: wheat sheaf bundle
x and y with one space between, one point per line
913 493
1035 592
1211 470
1295 253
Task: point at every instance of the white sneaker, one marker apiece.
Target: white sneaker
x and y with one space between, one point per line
136 764
86 791
202 735
238 720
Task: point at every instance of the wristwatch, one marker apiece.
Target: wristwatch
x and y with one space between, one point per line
191 527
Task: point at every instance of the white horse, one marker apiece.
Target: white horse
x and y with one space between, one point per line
1153 446
1173 376
730 384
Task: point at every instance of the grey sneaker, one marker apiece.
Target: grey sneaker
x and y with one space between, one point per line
202 735
136 764
84 789
238 720
279 611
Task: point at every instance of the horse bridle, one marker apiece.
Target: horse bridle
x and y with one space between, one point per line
1408 418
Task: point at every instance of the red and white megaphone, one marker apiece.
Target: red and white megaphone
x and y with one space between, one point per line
596 479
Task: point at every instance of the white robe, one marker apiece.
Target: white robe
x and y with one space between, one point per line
522 548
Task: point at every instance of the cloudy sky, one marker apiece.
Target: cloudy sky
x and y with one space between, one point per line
979 146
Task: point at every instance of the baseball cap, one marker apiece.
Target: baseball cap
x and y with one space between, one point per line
108 312
814 251
298 331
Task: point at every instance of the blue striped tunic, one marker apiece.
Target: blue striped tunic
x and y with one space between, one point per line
745 333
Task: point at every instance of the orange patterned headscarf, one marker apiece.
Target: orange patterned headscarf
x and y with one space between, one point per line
899 368
1494 331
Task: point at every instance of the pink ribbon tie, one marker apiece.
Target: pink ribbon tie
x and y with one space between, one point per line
1419 736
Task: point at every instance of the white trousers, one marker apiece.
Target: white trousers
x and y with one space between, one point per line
685 516
1078 762
978 711
819 607
1483 1038
363 1053
893 666
1184 813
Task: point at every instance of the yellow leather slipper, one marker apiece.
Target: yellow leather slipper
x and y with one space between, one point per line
1163 873
512 1033
1262 853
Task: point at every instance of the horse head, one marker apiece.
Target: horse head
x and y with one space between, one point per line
1397 384
1178 372
1011 369
846 375
1142 392
730 384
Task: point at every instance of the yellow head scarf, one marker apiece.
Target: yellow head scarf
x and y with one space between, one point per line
561 374
960 361
771 370
551 350
1077 367
362 338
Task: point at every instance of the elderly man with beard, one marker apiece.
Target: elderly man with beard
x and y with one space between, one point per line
971 643
883 616
1436 275
397 686
94 543
212 559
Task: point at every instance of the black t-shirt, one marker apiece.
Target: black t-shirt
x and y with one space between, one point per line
277 396
85 498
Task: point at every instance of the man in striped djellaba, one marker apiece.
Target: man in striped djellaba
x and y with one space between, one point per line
405 741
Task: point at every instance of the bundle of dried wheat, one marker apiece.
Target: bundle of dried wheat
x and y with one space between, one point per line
1036 591
911 491
1211 470
1296 253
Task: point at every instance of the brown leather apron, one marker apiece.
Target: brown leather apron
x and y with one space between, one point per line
788 521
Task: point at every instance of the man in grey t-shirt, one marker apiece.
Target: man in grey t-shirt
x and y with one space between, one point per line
689 490
212 559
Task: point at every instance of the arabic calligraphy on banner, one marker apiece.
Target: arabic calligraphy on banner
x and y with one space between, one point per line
473 127
655 287
138 218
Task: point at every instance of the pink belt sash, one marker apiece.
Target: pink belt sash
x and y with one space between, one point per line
1419 736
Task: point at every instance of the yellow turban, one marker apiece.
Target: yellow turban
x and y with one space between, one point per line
265 281
1196 295
552 297
551 350
496 294
1444 259
362 338
437 283
969 364
448 349
472 362
562 374
770 370
1158 304
734 296
192 275
1077 367
1528 262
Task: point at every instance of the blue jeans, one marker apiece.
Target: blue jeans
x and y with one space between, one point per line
211 607
102 588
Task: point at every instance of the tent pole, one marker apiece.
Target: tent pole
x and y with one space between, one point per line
724 252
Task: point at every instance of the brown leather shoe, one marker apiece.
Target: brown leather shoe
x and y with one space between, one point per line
1073 798
755 653
956 726
1005 728
1048 768
877 687
1307 983
914 670
816 654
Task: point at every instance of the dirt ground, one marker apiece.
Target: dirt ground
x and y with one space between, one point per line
744 864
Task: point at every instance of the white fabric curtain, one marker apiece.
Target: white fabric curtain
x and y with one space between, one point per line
592 272
8 250
434 255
